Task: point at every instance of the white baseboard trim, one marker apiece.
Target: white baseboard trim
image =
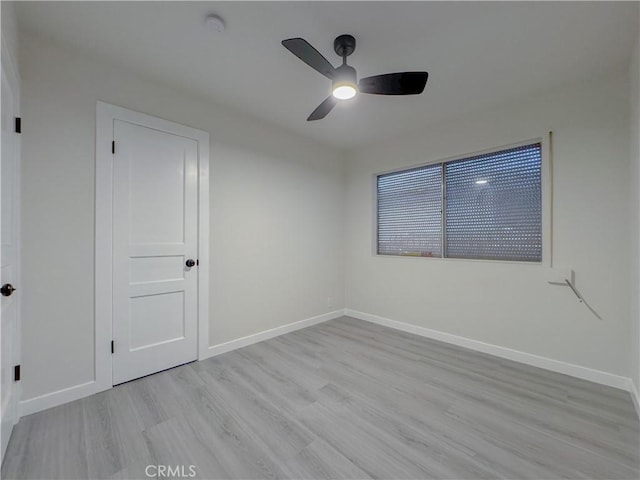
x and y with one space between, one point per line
633 390
53 399
558 366
267 334
59 397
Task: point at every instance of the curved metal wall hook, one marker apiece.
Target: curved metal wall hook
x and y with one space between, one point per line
580 297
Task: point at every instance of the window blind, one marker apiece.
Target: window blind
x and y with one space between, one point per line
494 205
410 212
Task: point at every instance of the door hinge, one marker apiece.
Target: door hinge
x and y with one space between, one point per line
113 146
113 346
18 125
16 373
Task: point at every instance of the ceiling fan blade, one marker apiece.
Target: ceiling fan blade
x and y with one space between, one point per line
323 109
404 83
309 55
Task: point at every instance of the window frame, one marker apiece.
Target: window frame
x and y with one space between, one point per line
546 188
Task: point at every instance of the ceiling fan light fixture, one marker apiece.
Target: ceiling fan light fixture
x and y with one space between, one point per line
344 82
344 90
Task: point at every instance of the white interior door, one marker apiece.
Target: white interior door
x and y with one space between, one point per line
9 192
155 235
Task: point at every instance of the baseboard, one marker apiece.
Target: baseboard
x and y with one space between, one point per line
633 390
558 366
267 334
53 399
76 392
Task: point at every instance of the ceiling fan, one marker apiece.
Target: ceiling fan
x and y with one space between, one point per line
344 78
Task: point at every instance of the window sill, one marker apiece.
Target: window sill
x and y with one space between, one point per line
472 260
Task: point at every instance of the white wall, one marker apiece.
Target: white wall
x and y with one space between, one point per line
512 305
276 213
634 74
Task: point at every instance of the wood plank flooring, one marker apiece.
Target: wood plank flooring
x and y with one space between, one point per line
343 399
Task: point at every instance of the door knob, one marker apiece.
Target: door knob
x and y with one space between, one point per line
7 289
191 263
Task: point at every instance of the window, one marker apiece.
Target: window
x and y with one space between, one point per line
487 206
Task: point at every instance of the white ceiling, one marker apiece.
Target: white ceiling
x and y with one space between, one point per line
477 54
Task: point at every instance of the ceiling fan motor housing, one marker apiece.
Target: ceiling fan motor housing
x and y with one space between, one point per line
345 75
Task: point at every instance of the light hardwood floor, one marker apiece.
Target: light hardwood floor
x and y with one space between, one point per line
343 399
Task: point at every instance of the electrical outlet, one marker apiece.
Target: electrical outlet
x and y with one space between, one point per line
329 302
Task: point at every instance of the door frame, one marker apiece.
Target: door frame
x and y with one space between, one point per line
106 114
9 69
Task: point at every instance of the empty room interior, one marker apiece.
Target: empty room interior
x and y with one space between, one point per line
320 240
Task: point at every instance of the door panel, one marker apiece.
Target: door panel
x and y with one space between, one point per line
158 318
148 269
154 233
8 261
158 193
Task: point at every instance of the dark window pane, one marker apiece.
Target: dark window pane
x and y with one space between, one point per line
494 205
410 212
